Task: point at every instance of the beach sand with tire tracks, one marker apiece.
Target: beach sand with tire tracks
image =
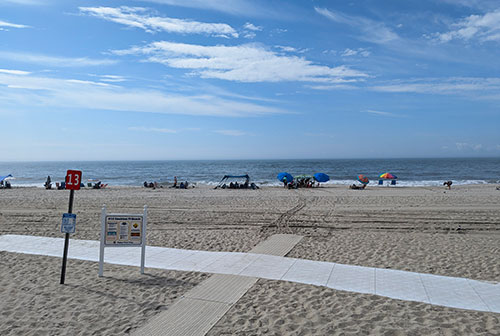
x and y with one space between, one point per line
420 229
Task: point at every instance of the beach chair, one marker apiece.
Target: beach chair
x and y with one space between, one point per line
393 182
89 184
380 182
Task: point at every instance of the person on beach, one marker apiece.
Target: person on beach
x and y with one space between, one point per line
48 183
175 181
448 184
284 182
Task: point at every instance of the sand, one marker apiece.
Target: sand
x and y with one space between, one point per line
432 230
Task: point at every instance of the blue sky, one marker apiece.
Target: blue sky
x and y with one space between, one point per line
248 79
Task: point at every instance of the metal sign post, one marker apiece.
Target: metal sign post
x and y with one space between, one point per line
123 230
73 180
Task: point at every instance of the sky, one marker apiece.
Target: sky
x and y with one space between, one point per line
248 79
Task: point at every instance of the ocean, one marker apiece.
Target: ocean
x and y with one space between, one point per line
410 172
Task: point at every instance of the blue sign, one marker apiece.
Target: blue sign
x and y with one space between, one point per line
68 223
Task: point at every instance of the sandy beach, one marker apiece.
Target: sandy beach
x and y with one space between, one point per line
421 229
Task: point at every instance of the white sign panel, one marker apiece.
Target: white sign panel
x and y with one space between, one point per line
123 230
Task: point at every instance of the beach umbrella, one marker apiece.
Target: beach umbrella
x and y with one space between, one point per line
363 179
321 177
303 176
388 176
281 176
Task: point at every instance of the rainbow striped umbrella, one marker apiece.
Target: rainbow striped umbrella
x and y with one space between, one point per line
388 176
363 179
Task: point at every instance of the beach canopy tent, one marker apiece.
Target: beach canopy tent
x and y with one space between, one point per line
4 177
226 178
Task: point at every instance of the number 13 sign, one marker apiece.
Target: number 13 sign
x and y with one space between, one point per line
73 179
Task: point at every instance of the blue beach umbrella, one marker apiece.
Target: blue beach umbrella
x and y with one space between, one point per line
321 177
281 176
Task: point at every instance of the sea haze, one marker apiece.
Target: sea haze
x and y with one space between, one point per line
410 172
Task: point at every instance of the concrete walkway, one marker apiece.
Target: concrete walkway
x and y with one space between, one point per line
202 307
433 289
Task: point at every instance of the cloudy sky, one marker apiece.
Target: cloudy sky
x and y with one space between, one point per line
236 79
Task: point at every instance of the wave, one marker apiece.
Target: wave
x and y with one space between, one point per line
268 183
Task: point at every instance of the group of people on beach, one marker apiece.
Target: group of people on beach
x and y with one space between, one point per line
62 185
237 185
155 185
5 184
306 182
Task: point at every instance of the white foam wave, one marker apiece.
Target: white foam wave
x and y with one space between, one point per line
267 183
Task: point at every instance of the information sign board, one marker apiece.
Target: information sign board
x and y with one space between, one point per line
68 223
123 230
73 179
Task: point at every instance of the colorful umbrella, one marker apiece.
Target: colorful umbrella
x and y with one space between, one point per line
281 176
363 179
321 177
388 176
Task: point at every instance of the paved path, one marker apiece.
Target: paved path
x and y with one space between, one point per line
434 289
202 307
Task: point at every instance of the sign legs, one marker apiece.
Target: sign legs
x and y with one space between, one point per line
103 237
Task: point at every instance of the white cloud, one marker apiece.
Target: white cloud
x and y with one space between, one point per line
12 25
383 114
482 27
231 132
46 92
14 72
240 7
354 52
112 78
54 61
244 63
249 35
332 87
250 26
152 130
373 31
286 48
463 146
458 85
141 18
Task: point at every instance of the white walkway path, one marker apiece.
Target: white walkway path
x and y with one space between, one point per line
437 290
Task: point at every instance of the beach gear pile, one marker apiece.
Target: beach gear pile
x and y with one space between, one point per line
236 182
302 181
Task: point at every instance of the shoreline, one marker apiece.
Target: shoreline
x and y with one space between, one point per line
334 184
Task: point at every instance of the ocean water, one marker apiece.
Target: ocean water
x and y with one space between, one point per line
410 172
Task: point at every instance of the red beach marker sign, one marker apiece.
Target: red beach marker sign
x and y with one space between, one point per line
73 180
